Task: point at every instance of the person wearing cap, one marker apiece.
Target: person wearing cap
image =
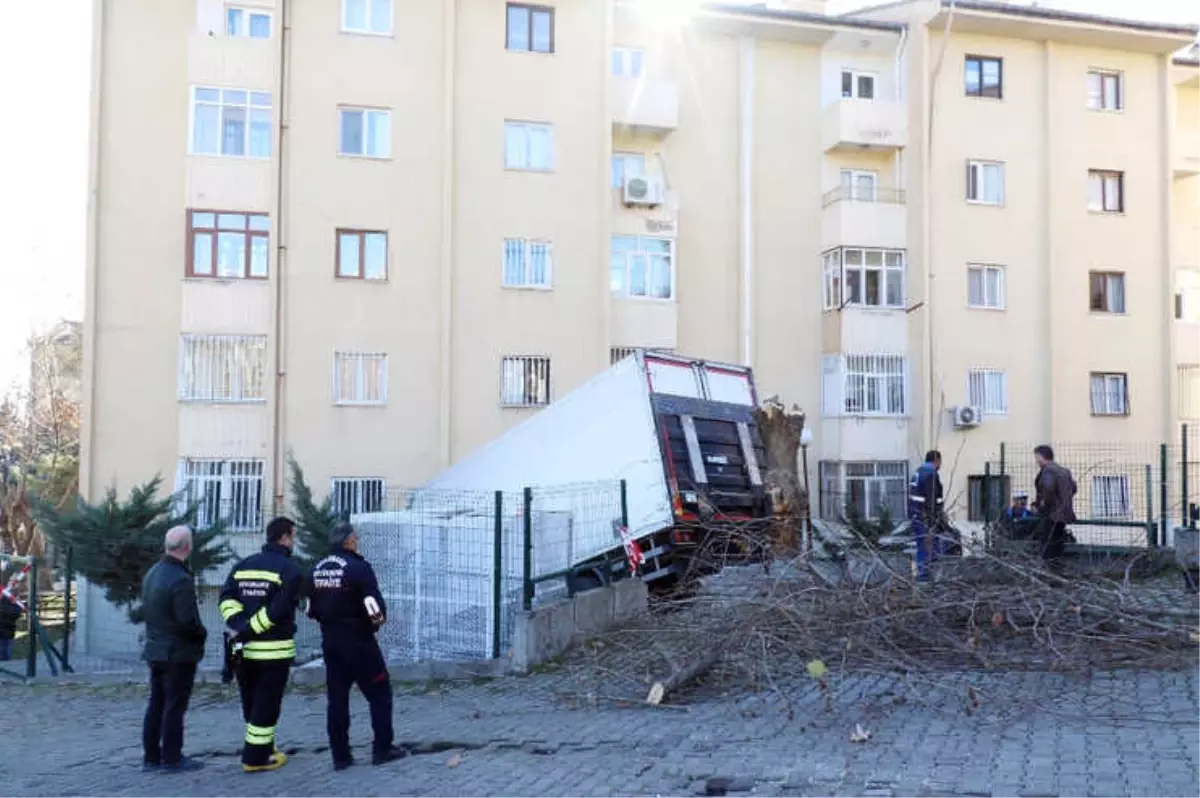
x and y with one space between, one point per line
1019 509
345 601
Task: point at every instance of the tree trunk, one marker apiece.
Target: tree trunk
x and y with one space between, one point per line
682 676
780 430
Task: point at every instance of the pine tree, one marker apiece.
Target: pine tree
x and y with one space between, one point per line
313 521
115 542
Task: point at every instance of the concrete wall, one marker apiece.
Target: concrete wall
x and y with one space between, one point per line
546 632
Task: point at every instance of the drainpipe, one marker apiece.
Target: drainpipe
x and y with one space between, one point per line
746 142
278 445
446 344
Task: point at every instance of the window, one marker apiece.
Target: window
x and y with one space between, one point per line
626 165
618 353
252 23
352 495
524 381
530 29
858 85
527 264
1106 191
230 491
231 122
1104 90
1107 291
859 184
222 368
870 490
640 266
987 389
365 132
362 254
528 146
1110 497
985 286
985 182
1187 295
367 16
628 62
228 245
1188 382
359 378
987 496
1110 394
864 385
863 278
984 77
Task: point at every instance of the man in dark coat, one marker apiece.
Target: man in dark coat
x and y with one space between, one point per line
174 645
1054 504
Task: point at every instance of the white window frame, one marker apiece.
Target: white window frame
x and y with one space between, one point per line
1098 97
1106 191
837 276
851 185
988 301
526 246
1111 496
517 127
1109 393
368 16
232 491
835 490
368 114
987 389
865 385
619 167
247 12
855 88
358 392
623 64
222 369
1108 307
360 491
977 171
525 381
254 105
640 251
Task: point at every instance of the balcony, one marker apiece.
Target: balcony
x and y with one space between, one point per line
644 106
854 217
864 125
1187 153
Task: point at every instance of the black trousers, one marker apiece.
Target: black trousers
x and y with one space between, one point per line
261 684
162 729
356 662
1053 537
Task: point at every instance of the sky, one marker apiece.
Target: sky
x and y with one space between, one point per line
44 89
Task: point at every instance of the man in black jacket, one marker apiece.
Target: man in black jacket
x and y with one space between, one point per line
347 603
174 645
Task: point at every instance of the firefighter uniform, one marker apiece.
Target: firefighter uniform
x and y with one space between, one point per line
926 512
345 600
258 604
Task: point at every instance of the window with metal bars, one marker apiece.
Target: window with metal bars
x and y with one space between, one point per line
352 495
230 491
871 489
527 263
222 368
874 385
987 389
524 381
618 353
360 378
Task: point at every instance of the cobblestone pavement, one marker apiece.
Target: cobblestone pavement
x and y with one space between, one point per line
1031 734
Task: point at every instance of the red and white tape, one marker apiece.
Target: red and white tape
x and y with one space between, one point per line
8 591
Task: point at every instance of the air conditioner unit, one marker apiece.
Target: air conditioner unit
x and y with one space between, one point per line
643 191
966 416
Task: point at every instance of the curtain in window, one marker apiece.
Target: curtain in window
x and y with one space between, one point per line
379 134
541 147
539 263
233 123
375 256
348 254
206 127
514 261
516 147
260 133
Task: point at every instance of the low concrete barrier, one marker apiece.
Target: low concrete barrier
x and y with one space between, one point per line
547 631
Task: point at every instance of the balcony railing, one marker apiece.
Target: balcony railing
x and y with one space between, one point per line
889 196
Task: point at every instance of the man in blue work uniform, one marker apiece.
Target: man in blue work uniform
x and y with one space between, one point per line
926 511
346 602
258 605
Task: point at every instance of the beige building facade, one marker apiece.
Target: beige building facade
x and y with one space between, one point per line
377 234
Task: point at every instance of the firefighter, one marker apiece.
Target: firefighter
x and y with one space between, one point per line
926 512
258 605
346 602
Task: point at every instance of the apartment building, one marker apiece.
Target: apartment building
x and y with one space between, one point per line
376 234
